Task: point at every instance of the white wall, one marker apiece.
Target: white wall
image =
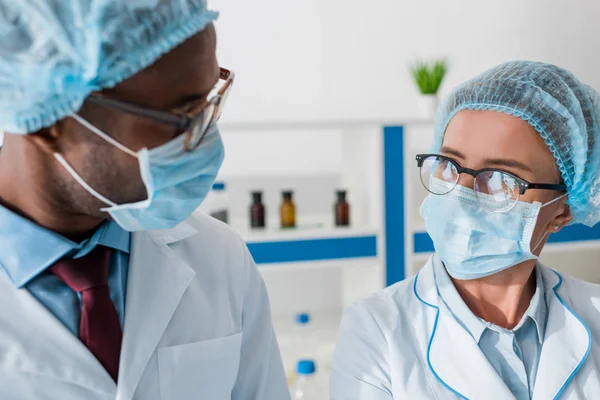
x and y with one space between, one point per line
320 59
281 153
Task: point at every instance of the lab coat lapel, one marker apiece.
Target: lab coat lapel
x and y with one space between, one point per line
567 342
157 280
43 346
453 356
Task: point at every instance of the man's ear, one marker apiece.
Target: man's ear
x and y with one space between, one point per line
47 139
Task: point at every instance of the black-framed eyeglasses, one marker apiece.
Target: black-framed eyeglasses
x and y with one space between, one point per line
496 190
195 122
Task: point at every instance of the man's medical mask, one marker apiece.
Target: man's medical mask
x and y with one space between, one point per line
176 181
474 242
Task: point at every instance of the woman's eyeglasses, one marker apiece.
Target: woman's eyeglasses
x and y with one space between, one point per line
496 190
196 123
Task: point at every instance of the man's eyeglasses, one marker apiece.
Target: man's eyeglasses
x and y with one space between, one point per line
496 190
195 122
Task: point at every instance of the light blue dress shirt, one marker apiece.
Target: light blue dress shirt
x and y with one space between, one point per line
514 353
27 250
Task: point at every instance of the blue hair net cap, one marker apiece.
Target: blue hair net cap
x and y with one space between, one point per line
54 53
564 111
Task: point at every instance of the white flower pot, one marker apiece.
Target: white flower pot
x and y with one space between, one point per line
427 105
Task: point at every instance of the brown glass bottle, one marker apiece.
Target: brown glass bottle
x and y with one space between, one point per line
288 210
257 211
342 209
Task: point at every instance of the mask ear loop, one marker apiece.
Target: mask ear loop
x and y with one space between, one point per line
104 136
540 241
81 181
78 177
555 227
555 200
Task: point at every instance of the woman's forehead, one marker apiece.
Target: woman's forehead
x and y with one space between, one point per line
486 136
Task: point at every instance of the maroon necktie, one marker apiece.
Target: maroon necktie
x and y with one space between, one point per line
99 328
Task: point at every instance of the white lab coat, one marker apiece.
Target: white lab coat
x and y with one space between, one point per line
197 326
403 343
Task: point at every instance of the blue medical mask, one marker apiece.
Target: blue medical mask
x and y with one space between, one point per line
176 181
474 242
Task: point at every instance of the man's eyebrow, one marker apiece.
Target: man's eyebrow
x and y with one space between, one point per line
193 98
188 100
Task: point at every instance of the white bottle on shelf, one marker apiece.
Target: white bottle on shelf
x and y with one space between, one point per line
306 385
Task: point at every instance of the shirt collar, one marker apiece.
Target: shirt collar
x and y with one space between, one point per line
27 249
537 310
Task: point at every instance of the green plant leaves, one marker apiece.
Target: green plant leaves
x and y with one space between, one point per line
429 77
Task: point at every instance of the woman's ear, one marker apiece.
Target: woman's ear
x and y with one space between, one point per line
561 220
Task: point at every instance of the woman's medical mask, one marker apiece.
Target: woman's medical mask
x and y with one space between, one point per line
474 242
176 181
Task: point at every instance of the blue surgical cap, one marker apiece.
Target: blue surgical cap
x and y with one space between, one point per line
54 53
564 111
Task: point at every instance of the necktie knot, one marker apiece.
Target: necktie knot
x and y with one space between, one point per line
82 274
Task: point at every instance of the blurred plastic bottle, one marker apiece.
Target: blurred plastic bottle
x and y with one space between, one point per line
306 387
302 320
304 337
217 202
300 346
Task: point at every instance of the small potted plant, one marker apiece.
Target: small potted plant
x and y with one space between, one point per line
429 77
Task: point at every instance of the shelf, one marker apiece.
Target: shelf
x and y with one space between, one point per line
314 231
233 126
308 245
579 235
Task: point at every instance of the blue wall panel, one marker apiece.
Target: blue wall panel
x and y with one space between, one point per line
393 154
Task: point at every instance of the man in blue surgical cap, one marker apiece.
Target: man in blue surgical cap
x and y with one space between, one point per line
109 290
515 159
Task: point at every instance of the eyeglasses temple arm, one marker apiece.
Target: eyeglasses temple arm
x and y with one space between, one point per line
157 115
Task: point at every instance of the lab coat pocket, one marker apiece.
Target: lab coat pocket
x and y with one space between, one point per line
201 370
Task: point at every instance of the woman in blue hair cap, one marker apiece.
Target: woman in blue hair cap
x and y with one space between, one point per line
516 158
109 289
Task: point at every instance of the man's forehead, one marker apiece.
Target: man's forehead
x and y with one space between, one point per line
188 70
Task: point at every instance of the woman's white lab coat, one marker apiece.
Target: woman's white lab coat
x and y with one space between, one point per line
403 343
197 326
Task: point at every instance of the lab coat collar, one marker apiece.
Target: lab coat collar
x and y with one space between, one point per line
453 356
567 341
157 281
456 361
158 278
44 347
452 300
169 236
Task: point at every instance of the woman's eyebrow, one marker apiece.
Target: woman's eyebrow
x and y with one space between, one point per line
452 152
503 162
508 162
